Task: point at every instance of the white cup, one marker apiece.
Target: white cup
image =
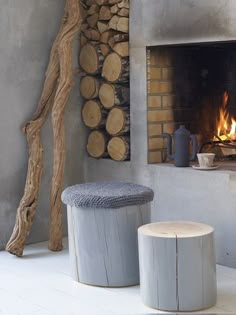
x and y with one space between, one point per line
206 159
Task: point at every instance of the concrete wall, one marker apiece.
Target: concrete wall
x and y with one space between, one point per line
27 30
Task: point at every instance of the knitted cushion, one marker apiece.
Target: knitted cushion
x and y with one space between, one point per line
106 195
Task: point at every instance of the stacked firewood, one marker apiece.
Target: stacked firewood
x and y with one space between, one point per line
104 85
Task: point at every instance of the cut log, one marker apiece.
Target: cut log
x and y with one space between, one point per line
101 2
102 26
91 58
105 13
84 26
117 39
92 34
122 49
89 87
183 256
114 9
97 144
118 148
111 95
115 68
83 40
123 12
113 1
106 36
123 4
119 24
110 2
90 2
93 114
120 38
93 9
105 49
92 20
117 121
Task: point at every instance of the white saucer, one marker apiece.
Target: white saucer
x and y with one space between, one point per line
197 167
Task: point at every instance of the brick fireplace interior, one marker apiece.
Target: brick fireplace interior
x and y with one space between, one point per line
192 85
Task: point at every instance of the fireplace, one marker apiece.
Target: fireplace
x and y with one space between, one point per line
192 85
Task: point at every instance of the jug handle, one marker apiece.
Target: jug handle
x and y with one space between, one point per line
195 147
169 145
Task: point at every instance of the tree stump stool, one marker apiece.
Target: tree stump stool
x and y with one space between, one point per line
103 219
177 265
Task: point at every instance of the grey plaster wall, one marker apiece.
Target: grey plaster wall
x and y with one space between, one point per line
27 30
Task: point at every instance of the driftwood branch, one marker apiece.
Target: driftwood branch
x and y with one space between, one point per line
63 91
27 207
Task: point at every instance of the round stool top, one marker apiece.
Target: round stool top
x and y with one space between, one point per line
172 229
107 195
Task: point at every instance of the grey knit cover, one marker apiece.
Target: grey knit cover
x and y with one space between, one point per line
106 195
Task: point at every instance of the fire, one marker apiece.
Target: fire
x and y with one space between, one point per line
226 125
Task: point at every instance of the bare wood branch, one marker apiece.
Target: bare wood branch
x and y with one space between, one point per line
62 94
27 207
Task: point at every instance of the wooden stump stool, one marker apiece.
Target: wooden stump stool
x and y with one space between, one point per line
177 265
103 219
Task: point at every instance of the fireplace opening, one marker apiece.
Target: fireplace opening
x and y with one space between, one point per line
194 85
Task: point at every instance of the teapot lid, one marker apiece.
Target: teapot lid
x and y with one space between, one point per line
182 130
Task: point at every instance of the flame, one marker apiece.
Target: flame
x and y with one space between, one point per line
226 125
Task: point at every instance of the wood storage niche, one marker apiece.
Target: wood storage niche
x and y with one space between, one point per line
104 84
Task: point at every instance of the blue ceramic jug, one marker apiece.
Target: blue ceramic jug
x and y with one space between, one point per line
182 139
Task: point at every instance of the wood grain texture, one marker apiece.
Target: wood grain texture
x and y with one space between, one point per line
177 267
64 49
105 252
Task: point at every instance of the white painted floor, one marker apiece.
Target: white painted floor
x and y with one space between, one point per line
40 283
